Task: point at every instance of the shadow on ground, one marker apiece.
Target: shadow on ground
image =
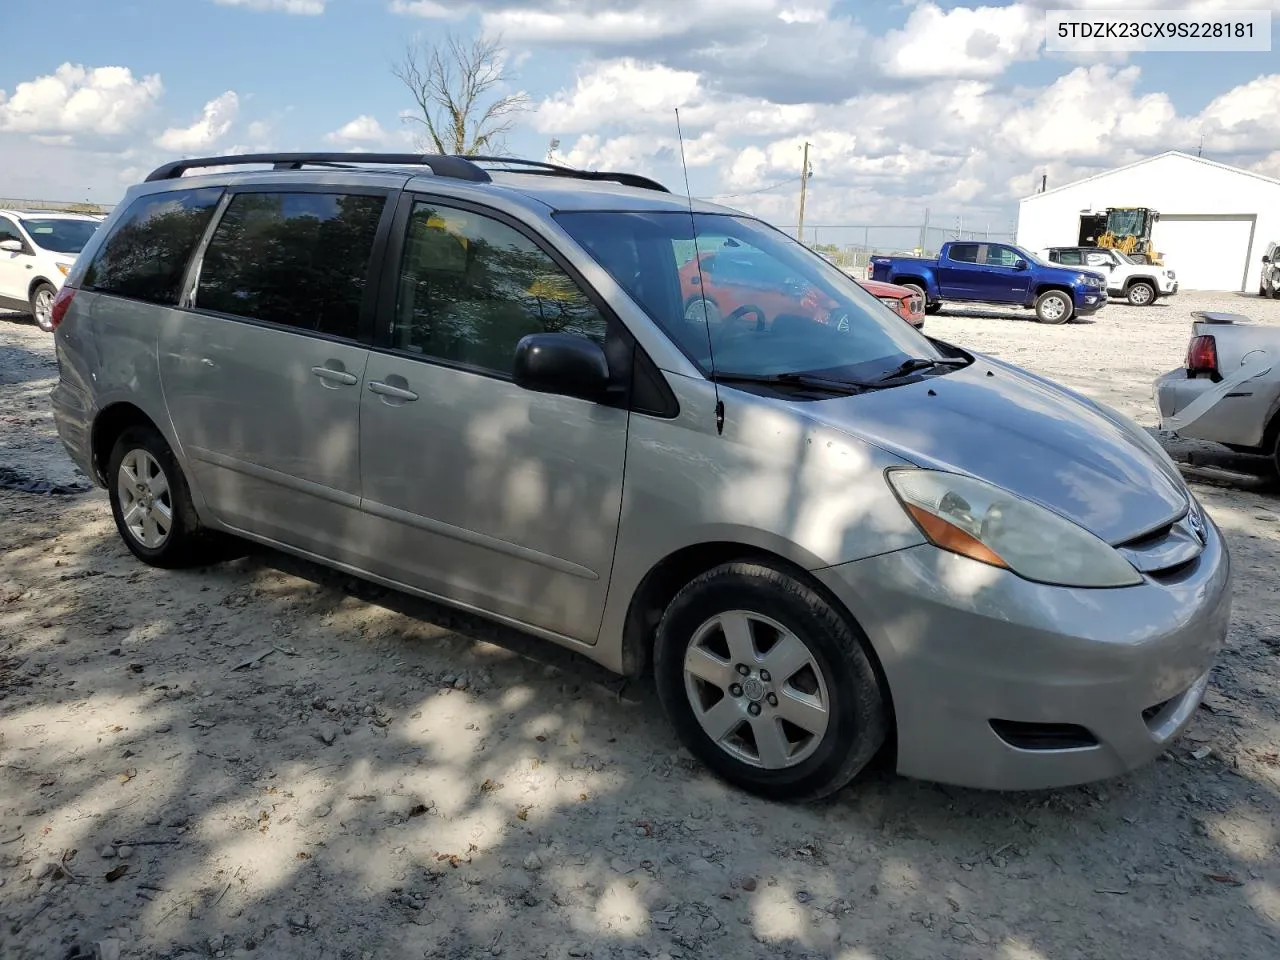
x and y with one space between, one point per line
269 758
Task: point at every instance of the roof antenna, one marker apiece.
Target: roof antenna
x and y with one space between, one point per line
697 262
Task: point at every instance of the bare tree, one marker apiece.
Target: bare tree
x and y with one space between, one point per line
456 86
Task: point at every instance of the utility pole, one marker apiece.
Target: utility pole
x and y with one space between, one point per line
804 183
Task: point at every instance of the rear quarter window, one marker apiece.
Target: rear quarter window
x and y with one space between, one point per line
146 254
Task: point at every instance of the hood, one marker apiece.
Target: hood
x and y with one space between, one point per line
1070 273
879 288
1003 426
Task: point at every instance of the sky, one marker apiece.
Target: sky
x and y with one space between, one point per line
908 104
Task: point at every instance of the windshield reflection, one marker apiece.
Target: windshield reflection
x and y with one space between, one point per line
757 300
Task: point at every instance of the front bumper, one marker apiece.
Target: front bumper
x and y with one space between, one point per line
962 645
1090 301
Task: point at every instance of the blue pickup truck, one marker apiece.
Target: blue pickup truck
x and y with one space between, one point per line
973 272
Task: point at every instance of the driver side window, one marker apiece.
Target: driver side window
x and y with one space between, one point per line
999 256
470 287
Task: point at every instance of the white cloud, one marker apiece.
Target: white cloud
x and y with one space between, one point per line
215 121
76 100
364 129
963 42
304 7
429 9
967 147
622 88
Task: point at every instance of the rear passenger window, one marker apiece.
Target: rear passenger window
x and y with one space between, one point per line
1070 258
146 254
964 252
298 259
471 287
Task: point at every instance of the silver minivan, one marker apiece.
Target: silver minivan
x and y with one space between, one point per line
659 432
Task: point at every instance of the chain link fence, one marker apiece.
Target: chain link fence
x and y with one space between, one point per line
851 245
56 206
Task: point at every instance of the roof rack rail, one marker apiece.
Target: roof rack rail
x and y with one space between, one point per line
457 168
555 170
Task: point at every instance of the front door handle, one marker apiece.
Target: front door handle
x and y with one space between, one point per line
388 390
330 375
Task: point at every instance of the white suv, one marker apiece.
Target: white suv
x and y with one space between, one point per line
36 251
1139 283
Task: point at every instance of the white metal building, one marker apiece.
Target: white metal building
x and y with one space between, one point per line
1215 220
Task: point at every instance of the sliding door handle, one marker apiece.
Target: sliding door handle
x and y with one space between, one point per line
330 375
395 393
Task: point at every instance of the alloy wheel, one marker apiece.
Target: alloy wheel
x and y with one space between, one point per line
146 502
756 690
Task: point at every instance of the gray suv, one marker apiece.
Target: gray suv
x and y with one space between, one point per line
481 381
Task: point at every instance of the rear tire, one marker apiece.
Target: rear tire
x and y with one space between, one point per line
42 298
1054 306
1141 293
807 715
151 503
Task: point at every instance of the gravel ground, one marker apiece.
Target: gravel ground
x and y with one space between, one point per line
266 759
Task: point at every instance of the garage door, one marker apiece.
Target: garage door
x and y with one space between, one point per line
1207 253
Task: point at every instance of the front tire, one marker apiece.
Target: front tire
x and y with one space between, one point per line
42 298
1054 306
151 502
767 684
1140 293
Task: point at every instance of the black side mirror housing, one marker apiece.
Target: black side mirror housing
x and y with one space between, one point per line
1020 264
562 363
1266 259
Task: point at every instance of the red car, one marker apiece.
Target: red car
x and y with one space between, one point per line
736 285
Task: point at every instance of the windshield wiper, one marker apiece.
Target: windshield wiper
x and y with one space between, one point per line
802 380
916 364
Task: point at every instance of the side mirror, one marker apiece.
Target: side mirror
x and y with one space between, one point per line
561 363
1020 264
11 246
1265 259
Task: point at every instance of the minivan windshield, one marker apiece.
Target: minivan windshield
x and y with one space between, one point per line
757 300
61 236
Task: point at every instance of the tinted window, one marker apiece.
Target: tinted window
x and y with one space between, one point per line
1069 257
803 315
61 236
964 252
299 259
470 287
147 251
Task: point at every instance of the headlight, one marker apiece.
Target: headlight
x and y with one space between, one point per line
985 523
893 303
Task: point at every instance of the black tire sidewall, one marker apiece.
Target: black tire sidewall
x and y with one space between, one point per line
183 545
1066 298
858 708
42 285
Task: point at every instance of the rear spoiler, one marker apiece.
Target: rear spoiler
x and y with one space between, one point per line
1210 316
